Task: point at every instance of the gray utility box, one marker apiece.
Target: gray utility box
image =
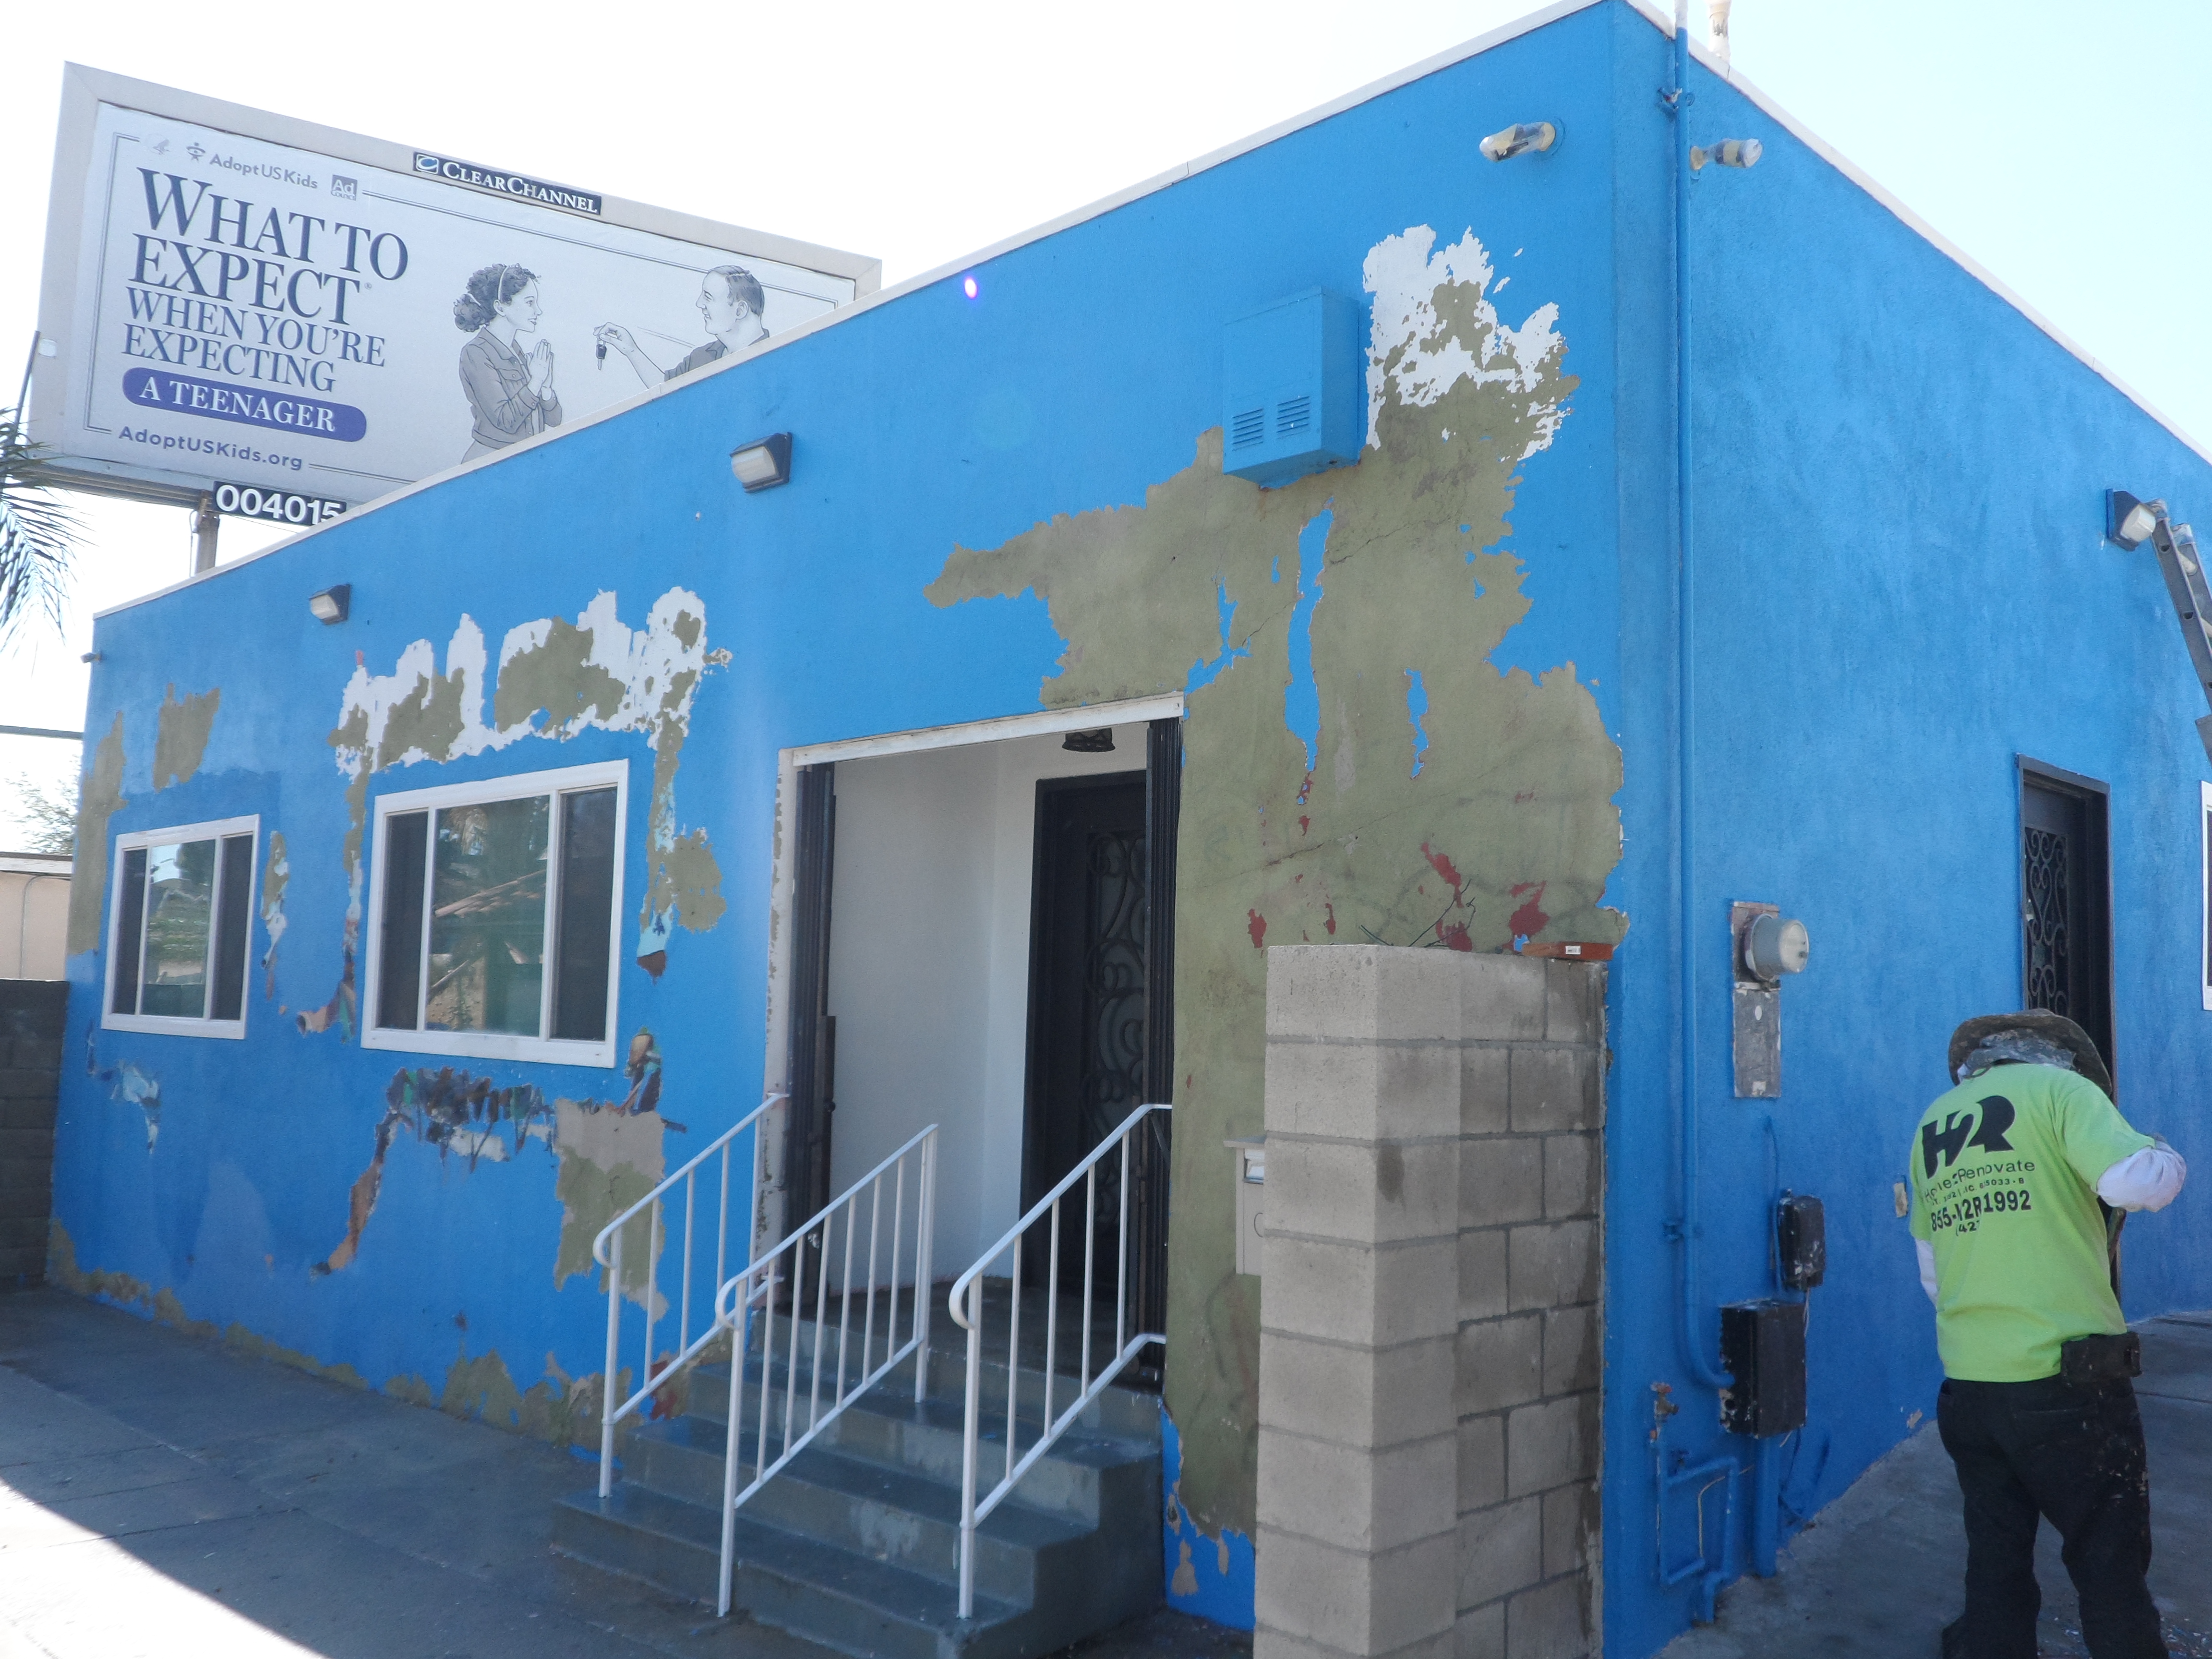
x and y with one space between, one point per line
1250 1171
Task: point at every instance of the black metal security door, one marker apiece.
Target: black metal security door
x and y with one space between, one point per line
813 1054
1088 931
1100 1000
2065 890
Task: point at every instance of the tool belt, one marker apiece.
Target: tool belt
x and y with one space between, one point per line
2087 1361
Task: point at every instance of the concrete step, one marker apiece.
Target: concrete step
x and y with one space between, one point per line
1126 1413
885 1423
1073 1480
859 1604
854 1543
894 1514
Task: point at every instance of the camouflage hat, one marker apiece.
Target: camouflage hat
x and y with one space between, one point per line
2035 1023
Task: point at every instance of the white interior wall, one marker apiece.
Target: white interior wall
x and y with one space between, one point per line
929 937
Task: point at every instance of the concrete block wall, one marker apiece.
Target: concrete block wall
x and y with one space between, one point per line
1429 1347
31 1019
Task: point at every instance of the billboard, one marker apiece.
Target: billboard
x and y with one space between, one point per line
294 316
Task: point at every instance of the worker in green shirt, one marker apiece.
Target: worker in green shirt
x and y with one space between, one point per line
2013 1173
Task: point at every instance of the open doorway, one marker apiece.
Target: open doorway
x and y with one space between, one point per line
982 939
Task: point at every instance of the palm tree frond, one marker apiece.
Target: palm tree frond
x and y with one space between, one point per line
37 532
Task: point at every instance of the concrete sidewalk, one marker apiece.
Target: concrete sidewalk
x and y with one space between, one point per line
1878 1575
161 1495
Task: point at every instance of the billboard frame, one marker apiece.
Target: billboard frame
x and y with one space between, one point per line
84 89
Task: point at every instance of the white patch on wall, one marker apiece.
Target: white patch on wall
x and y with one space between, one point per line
657 672
1416 354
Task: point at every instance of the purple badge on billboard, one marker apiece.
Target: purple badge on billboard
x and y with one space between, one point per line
150 388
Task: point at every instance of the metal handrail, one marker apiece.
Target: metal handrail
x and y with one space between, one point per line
969 1286
607 1251
756 1287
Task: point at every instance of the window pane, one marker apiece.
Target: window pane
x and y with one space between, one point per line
399 961
586 901
488 928
130 918
180 906
231 929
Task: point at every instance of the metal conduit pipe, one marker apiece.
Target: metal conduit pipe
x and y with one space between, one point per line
1686 1226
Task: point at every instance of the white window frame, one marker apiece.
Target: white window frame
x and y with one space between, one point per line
171 836
2204 876
499 1045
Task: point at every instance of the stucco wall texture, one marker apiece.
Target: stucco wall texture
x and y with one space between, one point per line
1429 702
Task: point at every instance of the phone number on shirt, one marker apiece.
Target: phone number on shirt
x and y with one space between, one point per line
1965 1214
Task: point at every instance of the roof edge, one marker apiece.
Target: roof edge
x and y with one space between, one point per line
1451 56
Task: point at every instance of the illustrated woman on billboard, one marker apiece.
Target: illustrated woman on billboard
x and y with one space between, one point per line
729 304
511 396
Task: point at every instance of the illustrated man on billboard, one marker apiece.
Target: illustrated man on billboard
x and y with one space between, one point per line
730 302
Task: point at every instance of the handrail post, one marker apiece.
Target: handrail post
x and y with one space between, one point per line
733 1441
972 1408
923 1256
608 1388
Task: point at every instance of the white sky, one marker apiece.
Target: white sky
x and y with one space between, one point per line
2050 139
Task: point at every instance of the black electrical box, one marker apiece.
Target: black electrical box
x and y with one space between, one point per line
1801 1241
1763 1348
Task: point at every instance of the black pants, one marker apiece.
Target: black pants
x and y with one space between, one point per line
2076 1456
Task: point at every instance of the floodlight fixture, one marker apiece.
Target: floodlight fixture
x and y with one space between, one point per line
332 605
1728 152
2130 520
1526 138
762 464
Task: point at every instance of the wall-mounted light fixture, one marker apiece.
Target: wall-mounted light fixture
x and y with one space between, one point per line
2130 520
1728 152
763 464
332 605
1529 137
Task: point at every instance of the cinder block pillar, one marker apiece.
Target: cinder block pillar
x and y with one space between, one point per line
1429 1348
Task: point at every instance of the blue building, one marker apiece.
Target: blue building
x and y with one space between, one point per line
1494 559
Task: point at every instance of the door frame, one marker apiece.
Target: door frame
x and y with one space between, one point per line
2096 797
769 1220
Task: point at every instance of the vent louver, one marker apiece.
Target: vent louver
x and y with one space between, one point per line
1293 389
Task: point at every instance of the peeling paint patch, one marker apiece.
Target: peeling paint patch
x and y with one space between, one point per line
1417 705
465 1116
276 876
1303 815
1211 1577
63 1269
100 796
554 679
125 1082
563 1409
180 737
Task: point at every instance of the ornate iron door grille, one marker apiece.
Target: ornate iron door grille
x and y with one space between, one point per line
2065 900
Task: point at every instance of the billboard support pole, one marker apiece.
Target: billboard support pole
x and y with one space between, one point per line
206 521
24 392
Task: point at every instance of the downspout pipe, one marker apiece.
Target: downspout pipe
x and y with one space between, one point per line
1686 1226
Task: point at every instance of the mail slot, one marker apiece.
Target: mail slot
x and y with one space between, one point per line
1250 1172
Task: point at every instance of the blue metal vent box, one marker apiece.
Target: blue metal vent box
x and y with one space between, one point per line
1293 398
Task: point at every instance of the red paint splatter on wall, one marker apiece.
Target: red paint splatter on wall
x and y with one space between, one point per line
1454 938
1304 823
1443 866
1329 920
1305 789
1529 920
1256 925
